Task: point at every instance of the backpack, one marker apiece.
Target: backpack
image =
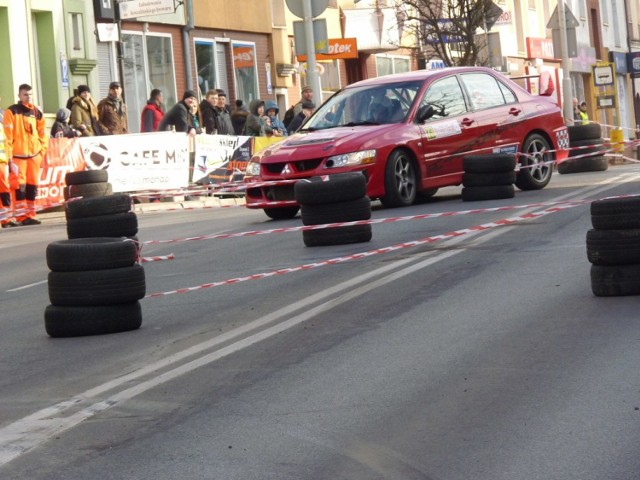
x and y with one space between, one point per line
288 116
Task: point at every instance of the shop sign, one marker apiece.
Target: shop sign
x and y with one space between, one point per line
338 48
540 48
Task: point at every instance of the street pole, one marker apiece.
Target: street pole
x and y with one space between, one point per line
567 92
312 73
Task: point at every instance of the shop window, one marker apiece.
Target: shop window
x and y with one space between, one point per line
388 64
246 72
212 66
330 77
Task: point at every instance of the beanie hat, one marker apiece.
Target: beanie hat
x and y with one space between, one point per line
189 94
307 87
309 105
83 88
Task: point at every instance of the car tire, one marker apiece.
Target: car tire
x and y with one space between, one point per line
400 180
613 247
581 165
284 213
62 322
615 213
615 280
586 143
97 287
90 254
535 173
98 206
86 176
90 189
584 132
488 179
115 225
337 235
489 163
341 187
350 211
494 192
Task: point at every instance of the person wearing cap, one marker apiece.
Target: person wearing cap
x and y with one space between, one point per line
112 112
84 113
223 119
179 117
61 127
256 126
292 112
308 108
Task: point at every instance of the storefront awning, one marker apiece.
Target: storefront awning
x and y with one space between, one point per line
376 30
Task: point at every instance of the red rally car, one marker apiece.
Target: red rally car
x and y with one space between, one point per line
407 133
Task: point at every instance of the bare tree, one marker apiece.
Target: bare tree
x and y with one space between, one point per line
447 29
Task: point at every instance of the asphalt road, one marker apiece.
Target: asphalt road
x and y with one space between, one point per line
483 356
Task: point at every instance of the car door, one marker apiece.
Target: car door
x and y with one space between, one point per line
446 132
497 114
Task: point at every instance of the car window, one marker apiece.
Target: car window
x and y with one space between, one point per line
446 98
483 90
509 96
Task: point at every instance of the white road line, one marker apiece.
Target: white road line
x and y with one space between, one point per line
27 286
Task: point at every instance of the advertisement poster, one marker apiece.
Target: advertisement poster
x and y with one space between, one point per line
63 155
221 158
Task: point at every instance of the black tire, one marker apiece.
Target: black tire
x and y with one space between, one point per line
97 287
284 213
97 206
90 254
615 280
350 211
616 213
400 180
613 247
61 322
65 193
90 189
425 195
86 176
341 187
488 179
489 163
581 165
337 236
584 132
536 166
116 225
495 192
586 143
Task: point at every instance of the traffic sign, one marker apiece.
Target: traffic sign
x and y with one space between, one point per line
317 7
491 15
569 18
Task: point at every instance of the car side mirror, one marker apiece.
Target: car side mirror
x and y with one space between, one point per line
425 112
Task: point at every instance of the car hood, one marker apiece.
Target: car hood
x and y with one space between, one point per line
322 143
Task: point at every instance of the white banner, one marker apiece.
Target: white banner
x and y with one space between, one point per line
145 161
217 156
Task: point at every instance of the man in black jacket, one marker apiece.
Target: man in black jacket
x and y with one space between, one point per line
208 111
178 118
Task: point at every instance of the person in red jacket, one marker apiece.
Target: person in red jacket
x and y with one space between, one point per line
25 145
152 112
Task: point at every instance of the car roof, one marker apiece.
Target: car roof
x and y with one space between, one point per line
418 75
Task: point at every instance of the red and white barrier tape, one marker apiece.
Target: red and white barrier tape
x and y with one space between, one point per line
157 258
333 261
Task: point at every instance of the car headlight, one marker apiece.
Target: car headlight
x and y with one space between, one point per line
253 169
363 157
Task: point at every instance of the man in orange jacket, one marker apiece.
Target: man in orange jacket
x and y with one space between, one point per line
25 144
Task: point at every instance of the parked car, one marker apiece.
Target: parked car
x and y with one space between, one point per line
407 133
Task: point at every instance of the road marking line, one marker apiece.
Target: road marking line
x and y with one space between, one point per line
27 286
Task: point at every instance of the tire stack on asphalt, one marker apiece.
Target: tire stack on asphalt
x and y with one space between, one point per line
108 216
488 177
87 183
585 136
95 286
334 199
613 247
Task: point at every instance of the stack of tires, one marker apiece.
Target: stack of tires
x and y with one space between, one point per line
488 177
87 183
108 216
95 286
613 247
585 136
334 199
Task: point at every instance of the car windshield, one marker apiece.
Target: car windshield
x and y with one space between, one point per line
366 105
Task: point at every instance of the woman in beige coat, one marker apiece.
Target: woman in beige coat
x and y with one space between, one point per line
84 113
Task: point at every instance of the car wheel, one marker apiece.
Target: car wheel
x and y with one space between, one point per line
281 213
337 236
536 166
493 192
350 211
613 247
400 180
615 280
616 213
90 254
60 322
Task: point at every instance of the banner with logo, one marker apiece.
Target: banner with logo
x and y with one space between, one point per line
145 161
220 158
63 155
